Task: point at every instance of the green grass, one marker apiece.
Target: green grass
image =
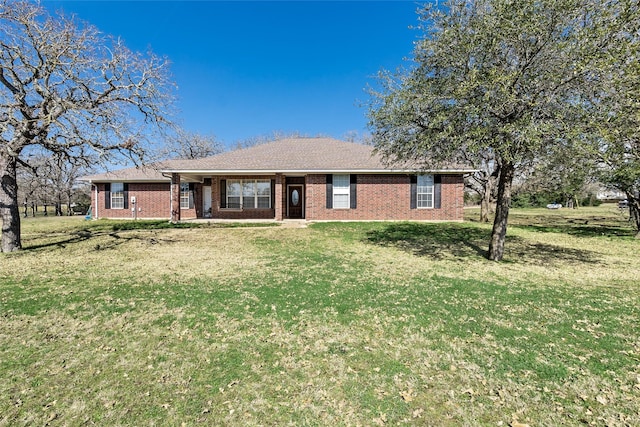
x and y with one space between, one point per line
128 323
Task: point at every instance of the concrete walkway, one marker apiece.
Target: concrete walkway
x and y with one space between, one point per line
287 223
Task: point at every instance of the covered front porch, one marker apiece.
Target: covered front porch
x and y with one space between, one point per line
274 197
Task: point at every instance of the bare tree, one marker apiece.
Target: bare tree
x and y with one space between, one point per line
29 186
70 90
357 137
49 179
60 177
189 145
263 139
273 136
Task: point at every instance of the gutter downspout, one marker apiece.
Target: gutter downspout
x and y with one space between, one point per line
96 187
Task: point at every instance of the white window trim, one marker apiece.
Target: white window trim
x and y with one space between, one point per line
428 191
117 197
184 195
255 194
342 191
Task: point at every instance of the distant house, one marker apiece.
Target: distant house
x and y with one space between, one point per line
607 195
316 179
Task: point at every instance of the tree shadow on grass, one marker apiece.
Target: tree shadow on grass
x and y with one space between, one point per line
80 236
521 251
441 241
581 230
586 226
436 241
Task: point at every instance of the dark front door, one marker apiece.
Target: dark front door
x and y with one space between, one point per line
295 201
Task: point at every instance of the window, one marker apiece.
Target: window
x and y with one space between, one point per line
263 194
234 191
341 196
425 191
248 193
117 195
185 196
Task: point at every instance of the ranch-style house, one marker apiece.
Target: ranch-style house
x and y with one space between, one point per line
316 179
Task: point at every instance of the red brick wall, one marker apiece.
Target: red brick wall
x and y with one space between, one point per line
224 213
380 197
385 197
152 201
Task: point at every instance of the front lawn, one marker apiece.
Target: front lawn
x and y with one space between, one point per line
333 324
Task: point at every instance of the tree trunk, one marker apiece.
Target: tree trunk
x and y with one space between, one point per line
634 212
499 232
485 202
9 208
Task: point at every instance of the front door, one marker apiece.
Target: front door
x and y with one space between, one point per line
206 201
295 201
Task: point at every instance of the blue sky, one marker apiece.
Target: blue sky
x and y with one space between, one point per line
251 68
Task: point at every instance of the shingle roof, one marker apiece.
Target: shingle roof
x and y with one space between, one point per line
293 154
285 155
150 173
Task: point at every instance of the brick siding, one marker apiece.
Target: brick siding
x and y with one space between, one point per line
385 197
218 212
379 197
152 202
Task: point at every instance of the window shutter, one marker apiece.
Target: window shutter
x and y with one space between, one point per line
125 188
273 193
329 191
107 196
437 190
223 193
414 191
191 194
353 203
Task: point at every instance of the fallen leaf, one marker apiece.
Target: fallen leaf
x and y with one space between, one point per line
407 395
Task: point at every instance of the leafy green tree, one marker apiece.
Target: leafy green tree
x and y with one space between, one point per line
562 174
483 181
612 107
71 91
499 75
